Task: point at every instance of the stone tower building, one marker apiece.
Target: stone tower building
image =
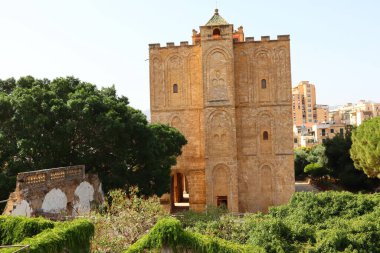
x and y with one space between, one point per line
231 97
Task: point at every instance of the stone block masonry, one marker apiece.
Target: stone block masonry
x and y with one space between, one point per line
231 98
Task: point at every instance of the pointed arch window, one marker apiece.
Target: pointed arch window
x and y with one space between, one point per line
175 88
263 84
265 136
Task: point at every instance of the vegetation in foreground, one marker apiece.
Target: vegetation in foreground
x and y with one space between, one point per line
124 219
323 222
45 236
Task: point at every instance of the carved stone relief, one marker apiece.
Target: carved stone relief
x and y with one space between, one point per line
220 134
217 77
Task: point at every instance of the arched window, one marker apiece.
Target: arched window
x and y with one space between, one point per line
216 33
175 88
265 136
263 84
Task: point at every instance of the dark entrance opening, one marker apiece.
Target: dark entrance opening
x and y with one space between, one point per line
179 193
222 201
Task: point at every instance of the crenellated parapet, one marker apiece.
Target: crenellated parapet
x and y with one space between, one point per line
239 39
169 45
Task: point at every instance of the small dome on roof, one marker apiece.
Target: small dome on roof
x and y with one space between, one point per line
216 19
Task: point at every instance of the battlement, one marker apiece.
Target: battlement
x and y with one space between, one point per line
247 39
267 38
169 44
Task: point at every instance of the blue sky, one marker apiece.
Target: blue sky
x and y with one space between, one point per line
334 44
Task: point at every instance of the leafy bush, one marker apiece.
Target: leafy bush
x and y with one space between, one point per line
45 236
304 156
168 232
323 222
315 170
124 219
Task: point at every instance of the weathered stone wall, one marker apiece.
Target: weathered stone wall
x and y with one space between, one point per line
181 65
59 191
265 165
232 101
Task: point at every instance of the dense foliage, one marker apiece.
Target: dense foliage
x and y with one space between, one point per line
332 161
47 237
315 170
16 229
342 167
323 222
168 232
365 150
45 124
124 219
304 156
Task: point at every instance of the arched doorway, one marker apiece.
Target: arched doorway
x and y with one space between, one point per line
179 192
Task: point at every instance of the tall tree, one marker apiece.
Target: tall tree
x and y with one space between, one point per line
341 165
365 150
46 124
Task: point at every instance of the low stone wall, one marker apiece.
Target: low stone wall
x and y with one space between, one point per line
65 191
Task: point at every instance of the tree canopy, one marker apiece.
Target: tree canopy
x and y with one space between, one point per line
45 124
342 167
365 150
304 156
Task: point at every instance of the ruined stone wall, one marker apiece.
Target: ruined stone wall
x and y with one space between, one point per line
60 191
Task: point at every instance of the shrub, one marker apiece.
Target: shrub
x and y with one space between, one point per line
322 222
124 219
168 232
45 236
315 170
14 229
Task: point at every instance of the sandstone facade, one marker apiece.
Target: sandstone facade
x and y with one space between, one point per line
231 98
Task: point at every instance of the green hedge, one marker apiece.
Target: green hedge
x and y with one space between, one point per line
169 232
14 229
53 237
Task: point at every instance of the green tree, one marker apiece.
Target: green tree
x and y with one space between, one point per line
304 156
365 150
315 170
300 160
45 124
341 165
